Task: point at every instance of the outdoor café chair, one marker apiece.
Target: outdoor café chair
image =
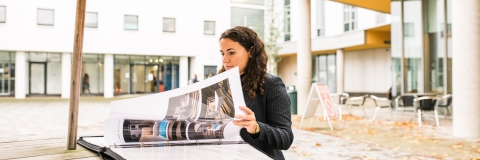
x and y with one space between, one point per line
426 103
378 107
447 99
357 102
406 103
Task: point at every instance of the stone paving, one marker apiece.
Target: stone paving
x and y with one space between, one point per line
48 116
310 145
36 117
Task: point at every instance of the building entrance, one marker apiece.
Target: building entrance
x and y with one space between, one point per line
144 78
152 80
37 81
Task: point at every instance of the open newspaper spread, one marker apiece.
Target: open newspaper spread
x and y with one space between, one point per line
199 113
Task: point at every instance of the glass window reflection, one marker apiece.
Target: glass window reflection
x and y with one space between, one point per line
413 47
145 74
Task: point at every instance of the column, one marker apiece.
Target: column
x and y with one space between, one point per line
340 71
465 67
183 72
20 77
108 76
304 55
66 73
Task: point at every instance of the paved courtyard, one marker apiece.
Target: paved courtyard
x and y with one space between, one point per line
37 117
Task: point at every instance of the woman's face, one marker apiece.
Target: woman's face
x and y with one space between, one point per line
233 55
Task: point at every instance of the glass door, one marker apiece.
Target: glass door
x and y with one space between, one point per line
37 78
152 81
137 78
4 79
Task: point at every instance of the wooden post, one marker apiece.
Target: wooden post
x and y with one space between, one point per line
76 77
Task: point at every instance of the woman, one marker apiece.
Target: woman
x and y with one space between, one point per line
195 79
86 83
267 125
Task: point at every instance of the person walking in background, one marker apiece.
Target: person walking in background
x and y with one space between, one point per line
389 93
86 83
195 79
154 87
267 124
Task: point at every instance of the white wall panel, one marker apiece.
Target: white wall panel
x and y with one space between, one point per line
333 18
349 74
366 18
367 71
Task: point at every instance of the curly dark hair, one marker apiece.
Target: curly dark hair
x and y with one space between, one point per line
255 73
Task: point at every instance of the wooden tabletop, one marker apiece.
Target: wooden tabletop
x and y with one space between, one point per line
45 147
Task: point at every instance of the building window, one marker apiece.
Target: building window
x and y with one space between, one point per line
130 22
209 71
449 29
44 73
287 21
3 13
256 2
251 18
45 17
7 73
145 74
349 18
408 30
209 28
321 18
92 74
324 70
169 25
91 20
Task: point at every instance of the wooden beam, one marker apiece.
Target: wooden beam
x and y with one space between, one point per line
76 77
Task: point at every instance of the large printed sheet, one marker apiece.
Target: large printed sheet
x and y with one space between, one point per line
198 113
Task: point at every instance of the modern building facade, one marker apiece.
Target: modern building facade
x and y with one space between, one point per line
132 48
422 46
419 57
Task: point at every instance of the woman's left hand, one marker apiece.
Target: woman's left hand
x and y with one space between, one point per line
248 121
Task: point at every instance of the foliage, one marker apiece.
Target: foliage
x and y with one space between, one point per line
274 24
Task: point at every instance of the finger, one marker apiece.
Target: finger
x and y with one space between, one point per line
238 123
247 110
242 123
240 116
245 117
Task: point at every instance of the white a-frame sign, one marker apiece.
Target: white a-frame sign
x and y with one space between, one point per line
319 94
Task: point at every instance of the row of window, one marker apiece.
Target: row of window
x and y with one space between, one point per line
46 17
320 19
349 18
